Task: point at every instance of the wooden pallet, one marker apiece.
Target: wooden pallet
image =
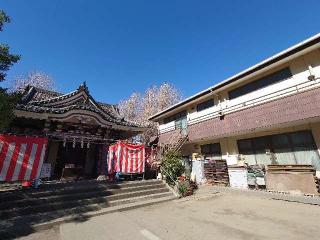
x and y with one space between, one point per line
216 172
290 168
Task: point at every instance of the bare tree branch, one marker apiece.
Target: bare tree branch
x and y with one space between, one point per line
35 79
139 107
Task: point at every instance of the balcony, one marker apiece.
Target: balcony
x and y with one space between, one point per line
291 102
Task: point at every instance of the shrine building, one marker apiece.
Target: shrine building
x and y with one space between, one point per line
78 128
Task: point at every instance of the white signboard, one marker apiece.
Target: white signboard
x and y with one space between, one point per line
45 170
198 170
238 178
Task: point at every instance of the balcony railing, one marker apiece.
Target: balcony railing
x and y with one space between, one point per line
228 107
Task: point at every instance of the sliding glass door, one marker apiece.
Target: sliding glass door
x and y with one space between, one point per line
288 148
305 149
283 149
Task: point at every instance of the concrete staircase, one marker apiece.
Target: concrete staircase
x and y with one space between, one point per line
60 202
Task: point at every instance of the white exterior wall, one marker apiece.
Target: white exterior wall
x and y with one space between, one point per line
167 127
229 150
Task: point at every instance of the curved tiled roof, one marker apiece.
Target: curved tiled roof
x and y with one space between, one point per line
43 101
37 94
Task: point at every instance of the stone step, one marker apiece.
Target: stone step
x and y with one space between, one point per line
74 202
11 227
72 187
32 209
47 197
92 183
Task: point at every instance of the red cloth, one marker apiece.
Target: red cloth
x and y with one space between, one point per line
126 158
26 183
21 158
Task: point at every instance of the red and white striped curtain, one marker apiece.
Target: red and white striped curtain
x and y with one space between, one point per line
21 158
126 158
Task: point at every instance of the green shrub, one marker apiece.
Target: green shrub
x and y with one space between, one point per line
172 166
183 188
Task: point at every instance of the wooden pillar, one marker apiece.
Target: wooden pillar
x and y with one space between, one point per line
53 148
103 159
90 161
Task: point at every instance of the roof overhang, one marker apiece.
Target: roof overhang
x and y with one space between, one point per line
278 59
68 116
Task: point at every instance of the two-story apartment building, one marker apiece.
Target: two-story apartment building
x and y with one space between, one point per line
268 113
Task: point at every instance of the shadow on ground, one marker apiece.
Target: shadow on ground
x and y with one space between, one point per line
21 210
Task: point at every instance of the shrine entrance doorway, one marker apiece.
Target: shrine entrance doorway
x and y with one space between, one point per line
76 162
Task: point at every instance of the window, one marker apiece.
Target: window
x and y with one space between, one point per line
286 148
261 83
179 119
175 117
211 149
204 105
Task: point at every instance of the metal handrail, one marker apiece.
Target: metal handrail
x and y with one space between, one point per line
167 174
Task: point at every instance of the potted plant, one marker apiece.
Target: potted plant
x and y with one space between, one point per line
183 188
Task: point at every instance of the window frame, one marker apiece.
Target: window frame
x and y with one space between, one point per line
266 81
215 152
205 105
175 117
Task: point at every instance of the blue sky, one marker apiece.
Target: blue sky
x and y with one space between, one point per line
119 47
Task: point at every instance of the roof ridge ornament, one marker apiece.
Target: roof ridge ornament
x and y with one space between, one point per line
84 87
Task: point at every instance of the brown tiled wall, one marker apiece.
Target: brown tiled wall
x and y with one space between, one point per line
293 108
166 137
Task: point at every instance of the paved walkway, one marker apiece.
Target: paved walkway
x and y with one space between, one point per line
208 215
